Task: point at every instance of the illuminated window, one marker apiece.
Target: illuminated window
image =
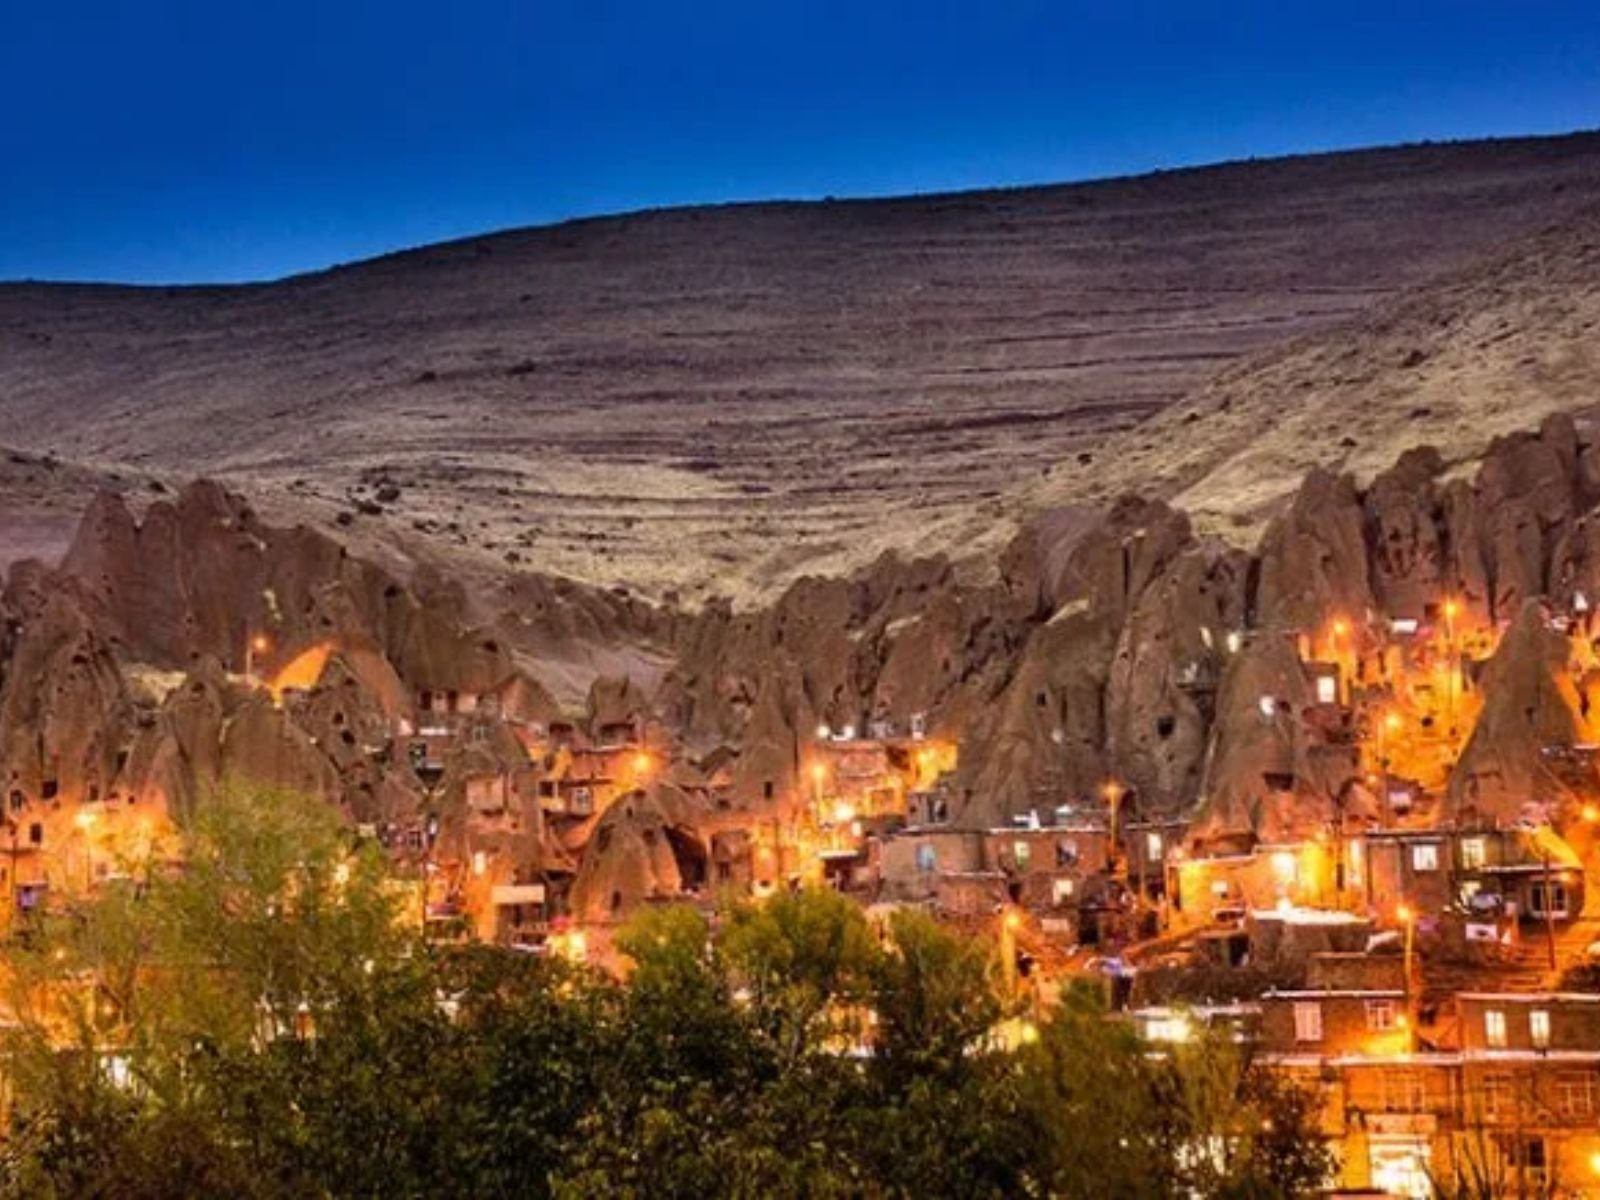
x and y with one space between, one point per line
1061 890
927 858
1380 1014
1399 1167
1022 852
1307 1021
1172 1028
1575 1094
1473 853
1425 856
1494 1027
1285 866
1268 706
1539 1028
1152 847
1327 689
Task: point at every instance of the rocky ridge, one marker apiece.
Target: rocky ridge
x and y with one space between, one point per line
1109 645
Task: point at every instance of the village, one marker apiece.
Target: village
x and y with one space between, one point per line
1381 939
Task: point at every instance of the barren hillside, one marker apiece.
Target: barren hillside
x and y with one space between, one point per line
714 400
1476 355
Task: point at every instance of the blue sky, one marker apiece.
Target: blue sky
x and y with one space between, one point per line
203 140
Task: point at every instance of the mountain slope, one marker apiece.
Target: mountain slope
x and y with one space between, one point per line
1482 353
715 400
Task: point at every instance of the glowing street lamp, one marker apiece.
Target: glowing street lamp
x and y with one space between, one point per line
255 645
1113 792
1451 609
85 821
1010 923
1407 917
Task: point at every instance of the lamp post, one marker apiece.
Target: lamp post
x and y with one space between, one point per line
254 644
1010 922
1113 794
1549 913
1407 919
1452 663
85 821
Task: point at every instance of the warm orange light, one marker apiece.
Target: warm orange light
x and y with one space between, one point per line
1112 790
819 772
641 763
843 813
1591 813
1392 722
1403 914
1402 1022
1340 627
85 820
1451 608
259 644
1013 920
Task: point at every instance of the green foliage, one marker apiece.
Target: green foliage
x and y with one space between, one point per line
260 1025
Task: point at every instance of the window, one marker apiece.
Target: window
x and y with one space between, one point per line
1425 856
1307 1021
1575 1094
1327 689
1399 1166
1494 1028
1021 854
1380 1015
1404 1092
927 858
1152 847
1539 1028
36 834
1067 853
1548 900
1061 891
1526 1156
1473 854
1498 1097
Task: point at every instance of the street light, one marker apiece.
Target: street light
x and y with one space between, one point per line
85 821
1010 922
1408 919
1453 666
254 645
1113 792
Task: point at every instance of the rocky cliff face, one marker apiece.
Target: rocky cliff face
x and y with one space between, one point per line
1107 646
